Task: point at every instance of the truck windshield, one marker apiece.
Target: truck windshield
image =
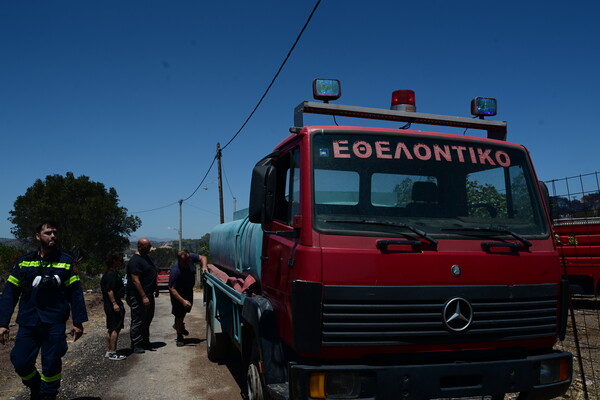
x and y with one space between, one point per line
436 185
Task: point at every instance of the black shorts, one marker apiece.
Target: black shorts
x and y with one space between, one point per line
177 308
114 320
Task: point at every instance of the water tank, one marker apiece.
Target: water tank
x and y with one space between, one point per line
237 246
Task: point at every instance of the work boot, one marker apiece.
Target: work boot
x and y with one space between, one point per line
34 387
138 350
184 332
35 394
179 340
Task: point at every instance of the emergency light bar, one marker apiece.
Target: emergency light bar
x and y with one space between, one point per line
495 129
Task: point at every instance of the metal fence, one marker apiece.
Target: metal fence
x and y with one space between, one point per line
578 197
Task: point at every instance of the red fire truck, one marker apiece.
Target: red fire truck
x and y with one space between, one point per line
579 246
391 263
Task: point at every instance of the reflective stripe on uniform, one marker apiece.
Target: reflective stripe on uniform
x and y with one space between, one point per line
39 263
51 378
72 279
14 281
61 265
31 375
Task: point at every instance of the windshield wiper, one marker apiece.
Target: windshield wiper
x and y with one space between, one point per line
526 243
416 231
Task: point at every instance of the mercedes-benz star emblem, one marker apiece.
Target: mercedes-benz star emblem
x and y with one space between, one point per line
455 270
458 314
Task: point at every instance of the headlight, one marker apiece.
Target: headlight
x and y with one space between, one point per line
334 385
553 371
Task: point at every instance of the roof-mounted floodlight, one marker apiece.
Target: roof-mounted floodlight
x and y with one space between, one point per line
327 89
484 107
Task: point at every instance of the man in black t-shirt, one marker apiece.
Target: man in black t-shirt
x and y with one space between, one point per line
141 290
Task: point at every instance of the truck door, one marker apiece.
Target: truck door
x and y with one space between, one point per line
278 248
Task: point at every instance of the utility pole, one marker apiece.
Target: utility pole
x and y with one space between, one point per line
220 180
180 223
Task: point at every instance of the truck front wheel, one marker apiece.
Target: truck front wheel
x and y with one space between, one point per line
217 346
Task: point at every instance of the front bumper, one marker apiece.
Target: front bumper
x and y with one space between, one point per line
431 381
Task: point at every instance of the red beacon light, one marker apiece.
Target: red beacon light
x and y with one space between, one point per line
403 100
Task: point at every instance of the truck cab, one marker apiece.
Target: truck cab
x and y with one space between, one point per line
397 263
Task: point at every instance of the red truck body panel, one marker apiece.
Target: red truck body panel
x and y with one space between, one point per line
579 246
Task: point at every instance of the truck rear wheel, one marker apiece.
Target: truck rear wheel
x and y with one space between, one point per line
254 380
217 345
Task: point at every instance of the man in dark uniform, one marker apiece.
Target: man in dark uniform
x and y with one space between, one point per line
49 288
182 277
141 290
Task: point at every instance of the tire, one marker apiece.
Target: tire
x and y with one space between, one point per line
217 344
255 389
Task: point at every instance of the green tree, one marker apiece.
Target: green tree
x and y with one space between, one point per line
163 257
89 217
8 257
199 246
403 192
480 194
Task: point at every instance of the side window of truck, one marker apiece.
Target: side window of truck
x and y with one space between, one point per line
294 196
287 202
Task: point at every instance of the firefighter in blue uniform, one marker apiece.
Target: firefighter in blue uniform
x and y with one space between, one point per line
49 288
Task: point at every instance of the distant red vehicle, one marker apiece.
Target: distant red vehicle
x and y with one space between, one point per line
162 278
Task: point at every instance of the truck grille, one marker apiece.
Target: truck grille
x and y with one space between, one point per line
414 315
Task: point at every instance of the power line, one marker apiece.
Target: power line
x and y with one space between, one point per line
249 116
203 179
226 180
276 75
154 209
182 200
203 209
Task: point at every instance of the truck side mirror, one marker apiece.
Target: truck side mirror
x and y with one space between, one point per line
262 192
271 184
257 193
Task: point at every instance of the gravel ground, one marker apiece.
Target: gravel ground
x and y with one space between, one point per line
167 372
81 358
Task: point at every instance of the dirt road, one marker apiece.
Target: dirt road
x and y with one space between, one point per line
167 372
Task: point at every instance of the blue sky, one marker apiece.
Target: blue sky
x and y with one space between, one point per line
136 94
